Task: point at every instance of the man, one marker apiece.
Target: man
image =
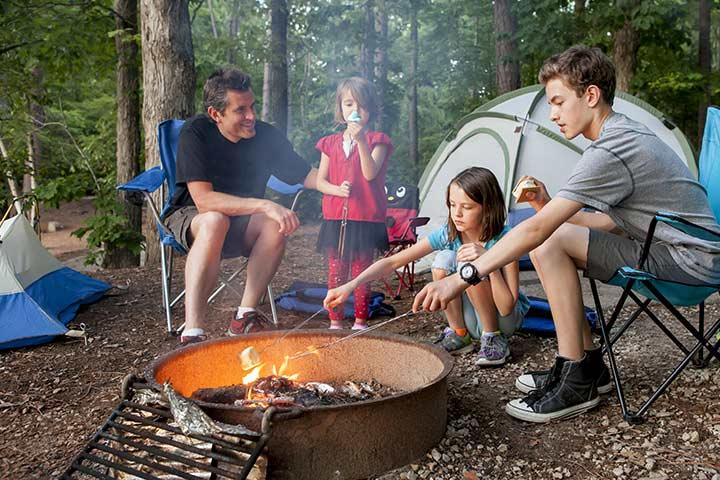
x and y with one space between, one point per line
225 157
619 175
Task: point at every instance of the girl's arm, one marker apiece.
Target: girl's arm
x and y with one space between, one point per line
322 182
505 284
379 269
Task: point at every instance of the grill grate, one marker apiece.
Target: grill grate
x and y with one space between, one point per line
143 442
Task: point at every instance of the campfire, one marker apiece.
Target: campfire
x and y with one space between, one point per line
352 411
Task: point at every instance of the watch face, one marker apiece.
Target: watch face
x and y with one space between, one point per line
466 271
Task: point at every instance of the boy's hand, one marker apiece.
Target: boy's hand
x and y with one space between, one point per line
344 189
469 252
336 296
537 200
436 295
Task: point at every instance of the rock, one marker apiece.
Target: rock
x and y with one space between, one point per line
54 226
435 454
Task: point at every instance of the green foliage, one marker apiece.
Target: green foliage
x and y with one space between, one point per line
109 227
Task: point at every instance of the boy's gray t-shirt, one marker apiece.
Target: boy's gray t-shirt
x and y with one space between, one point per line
630 174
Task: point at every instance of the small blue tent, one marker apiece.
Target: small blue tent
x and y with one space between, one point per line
38 295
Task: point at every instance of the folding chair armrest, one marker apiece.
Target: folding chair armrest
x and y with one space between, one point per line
678 223
413 223
147 181
635 274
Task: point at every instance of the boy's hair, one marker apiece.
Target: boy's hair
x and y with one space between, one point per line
363 93
218 84
481 185
580 67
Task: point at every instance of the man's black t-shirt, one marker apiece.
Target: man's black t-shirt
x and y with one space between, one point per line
241 169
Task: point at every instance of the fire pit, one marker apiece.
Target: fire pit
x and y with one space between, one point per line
348 441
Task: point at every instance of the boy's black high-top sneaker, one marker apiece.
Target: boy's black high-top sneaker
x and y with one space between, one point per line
530 381
571 392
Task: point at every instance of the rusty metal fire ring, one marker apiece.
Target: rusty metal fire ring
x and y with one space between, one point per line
349 441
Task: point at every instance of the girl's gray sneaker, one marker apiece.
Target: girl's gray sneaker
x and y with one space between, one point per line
494 350
454 343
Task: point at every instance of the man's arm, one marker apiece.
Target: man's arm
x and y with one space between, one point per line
311 179
527 236
208 200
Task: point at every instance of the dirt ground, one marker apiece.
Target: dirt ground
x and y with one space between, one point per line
54 396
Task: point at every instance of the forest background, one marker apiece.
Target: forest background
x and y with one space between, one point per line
83 84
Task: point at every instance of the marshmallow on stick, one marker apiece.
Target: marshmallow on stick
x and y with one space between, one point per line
249 358
521 190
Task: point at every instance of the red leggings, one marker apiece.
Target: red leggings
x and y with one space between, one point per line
338 274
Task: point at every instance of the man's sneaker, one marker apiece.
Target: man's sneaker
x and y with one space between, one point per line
530 381
248 322
190 339
494 350
454 343
571 389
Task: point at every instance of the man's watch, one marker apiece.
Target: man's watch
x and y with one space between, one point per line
469 273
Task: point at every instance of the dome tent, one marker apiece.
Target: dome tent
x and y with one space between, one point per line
512 135
38 295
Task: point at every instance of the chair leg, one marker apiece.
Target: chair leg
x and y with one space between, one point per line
630 417
166 287
273 307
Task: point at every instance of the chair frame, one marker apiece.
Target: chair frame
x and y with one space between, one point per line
638 276
406 276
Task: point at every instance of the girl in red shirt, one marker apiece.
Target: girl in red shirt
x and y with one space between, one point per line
351 176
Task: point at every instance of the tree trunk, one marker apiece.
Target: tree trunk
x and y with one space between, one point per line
34 146
168 82
233 28
212 19
579 7
267 74
507 68
12 184
625 47
127 150
705 61
368 48
381 63
412 94
278 64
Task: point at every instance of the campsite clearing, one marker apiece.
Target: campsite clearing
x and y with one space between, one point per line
54 396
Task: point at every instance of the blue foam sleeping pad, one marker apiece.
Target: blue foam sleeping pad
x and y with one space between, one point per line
539 319
308 297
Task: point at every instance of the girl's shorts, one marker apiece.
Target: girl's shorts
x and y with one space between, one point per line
508 324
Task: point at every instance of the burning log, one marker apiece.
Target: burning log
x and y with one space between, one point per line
226 395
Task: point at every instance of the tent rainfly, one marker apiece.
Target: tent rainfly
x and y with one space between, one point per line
38 295
512 135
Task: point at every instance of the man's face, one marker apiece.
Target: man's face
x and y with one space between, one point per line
237 122
571 113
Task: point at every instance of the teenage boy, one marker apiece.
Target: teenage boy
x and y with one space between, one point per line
627 174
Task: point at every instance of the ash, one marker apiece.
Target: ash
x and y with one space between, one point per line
281 391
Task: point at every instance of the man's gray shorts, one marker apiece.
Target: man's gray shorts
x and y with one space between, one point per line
608 252
179 224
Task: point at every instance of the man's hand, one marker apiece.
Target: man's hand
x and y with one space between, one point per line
436 295
539 199
469 252
336 296
286 219
344 189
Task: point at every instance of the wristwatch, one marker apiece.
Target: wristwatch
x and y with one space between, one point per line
469 273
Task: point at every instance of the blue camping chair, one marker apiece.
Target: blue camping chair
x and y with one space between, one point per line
671 295
163 176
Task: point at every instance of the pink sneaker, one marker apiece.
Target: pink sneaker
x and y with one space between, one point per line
336 325
248 322
190 339
360 326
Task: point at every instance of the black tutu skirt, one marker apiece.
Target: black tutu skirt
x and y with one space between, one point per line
368 237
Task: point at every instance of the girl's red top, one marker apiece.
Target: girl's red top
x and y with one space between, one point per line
368 201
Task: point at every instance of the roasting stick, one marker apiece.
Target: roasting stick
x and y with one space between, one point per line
409 313
250 358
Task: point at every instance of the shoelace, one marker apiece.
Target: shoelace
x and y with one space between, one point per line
551 384
493 346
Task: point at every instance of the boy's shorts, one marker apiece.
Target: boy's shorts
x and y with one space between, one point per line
508 324
234 246
607 252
